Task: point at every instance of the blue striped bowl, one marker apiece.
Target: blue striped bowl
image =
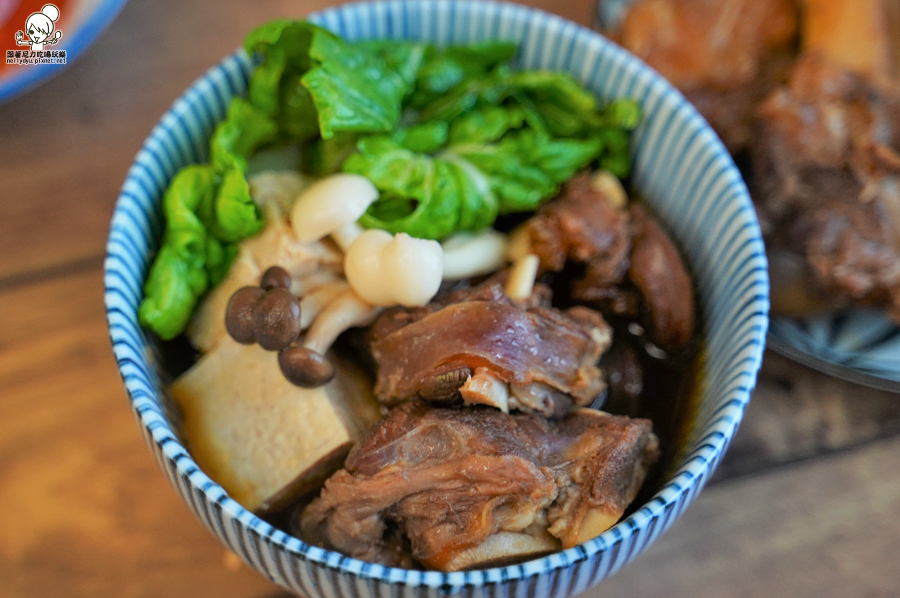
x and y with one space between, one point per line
680 167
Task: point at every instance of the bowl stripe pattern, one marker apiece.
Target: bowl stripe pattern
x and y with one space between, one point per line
680 168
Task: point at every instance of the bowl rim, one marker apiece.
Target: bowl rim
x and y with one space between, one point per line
697 461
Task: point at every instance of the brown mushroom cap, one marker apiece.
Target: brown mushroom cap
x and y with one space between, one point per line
240 319
305 367
277 316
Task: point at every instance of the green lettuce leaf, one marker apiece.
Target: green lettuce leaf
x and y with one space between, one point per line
291 36
558 158
265 83
443 70
465 186
231 214
420 194
486 124
282 46
178 276
624 114
243 131
297 111
402 57
206 214
479 206
357 89
219 256
477 90
325 156
425 138
566 109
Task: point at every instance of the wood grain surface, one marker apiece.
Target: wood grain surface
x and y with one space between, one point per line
84 510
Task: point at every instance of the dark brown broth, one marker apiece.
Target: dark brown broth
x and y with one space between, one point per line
669 398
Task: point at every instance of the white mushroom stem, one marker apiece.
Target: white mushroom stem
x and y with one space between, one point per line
307 284
609 185
315 301
331 203
344 312
345 235
467 255
521 279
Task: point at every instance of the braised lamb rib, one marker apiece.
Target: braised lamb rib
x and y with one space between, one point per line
460 488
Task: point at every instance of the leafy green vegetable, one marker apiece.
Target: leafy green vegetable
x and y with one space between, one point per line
297 113
476 90
518 184
566 108
400 57
557 158
219 256
243 131
624 114
466 185
357 90
479 206
290 36
425 137
232 214
443 70
206 214
426 183
265 82
513 138
325 156
178 276
283 46
486 124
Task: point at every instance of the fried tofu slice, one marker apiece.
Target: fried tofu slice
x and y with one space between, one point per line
266 441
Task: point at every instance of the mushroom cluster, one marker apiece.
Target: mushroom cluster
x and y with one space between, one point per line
270 315
301 319
389 269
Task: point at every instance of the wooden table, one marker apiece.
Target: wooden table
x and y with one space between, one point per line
84 510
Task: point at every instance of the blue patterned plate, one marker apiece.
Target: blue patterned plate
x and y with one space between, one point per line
861 346
680 167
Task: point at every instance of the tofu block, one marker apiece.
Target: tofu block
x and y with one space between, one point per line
266 441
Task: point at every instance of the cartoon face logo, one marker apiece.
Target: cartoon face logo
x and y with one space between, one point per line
39 27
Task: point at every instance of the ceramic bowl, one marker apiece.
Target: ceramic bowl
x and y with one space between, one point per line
680 168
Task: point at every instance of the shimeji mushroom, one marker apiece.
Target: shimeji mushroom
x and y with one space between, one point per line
387 269
521 279
332 206
467 255
345 311
312 304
